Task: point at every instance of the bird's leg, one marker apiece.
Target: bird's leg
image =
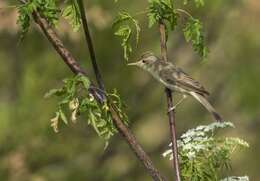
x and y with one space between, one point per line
178 103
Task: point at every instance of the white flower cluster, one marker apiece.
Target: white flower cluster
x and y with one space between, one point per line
245 178
201 153
198 139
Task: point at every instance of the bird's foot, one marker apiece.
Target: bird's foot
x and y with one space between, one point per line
178 103
171 109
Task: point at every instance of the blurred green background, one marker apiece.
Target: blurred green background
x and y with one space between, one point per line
31 151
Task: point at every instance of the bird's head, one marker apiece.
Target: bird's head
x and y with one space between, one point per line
147 61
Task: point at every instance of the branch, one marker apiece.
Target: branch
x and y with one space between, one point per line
171 114
90 45
76 69
120 126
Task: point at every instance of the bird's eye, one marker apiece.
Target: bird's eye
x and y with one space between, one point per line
144 61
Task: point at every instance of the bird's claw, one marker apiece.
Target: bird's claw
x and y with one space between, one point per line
171 109
178 103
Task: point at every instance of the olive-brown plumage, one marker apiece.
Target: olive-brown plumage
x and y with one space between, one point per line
176 79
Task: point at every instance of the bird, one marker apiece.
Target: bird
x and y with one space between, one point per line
175 79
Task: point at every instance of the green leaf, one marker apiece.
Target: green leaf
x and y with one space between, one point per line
193 33
49 9
162 11
70 86
125 32
98 116
46 8
65 100
84 80
119 106
63 116
24 17
72 14
57 92
124 26
93 121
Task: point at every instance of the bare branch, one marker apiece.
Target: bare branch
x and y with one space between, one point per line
90 45
171 113
58 45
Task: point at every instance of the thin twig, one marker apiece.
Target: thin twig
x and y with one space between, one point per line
75 68
90 45
171 113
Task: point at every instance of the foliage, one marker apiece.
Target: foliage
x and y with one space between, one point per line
162 10
46 8
50 10
77 106
75 97
123 29
193 33
203 155
72 14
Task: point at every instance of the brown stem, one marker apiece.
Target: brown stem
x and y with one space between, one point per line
58 45
90 45
171 114
75 68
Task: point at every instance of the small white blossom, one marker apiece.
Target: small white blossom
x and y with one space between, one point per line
200 139
191 155
167 152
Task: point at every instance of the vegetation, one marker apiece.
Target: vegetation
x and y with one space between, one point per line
203 155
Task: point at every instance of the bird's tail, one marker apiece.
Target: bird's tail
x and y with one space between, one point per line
207 105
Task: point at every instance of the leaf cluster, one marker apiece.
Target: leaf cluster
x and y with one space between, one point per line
162 11
46 8
203 155
125 26
76 99
193 33
51 11
71 13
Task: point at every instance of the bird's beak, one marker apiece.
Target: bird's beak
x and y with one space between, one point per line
135 63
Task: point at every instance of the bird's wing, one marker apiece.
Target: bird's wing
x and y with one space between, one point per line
175 76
